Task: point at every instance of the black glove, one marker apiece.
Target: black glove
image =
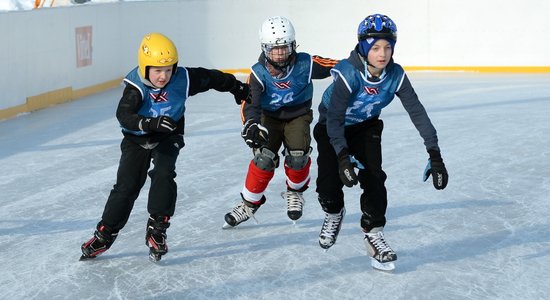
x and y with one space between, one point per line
254 134
159 124
437 169
345 169
241 91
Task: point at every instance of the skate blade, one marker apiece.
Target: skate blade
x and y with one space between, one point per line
84 257
227 226
388 266
325 248
154 257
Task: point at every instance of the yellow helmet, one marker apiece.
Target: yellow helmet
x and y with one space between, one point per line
156 50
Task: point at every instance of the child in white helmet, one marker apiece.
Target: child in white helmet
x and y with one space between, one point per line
279 115
349 132
151 113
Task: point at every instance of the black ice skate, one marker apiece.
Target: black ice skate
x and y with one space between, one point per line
155 237
331 229
242 212
102 240
382 256
295 204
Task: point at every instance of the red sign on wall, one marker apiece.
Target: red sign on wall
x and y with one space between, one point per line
83 38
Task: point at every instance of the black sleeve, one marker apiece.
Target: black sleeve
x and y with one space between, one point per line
336 115
322 66
253 109
202 80
128 108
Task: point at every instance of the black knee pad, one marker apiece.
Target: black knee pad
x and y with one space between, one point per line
297 159
265 159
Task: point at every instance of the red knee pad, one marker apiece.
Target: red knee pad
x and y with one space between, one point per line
257 179
298 179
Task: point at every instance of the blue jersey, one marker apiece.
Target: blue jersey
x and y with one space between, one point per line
294 89
367 98
168 101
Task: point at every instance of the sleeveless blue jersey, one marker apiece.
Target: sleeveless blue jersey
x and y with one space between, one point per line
295 88
367 98
168 101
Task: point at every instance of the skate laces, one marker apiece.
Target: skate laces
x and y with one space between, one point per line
331 225
295 200
243 212
378 242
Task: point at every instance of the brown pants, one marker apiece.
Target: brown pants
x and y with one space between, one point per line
292 134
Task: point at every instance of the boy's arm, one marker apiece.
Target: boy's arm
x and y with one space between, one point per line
253 110
128 107
336 115
202 80
418 114
322 66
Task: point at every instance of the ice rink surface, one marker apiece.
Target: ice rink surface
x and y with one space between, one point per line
486 236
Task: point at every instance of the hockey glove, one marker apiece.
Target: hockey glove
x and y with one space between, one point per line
345 169
437 169
241 91
255 135
160 124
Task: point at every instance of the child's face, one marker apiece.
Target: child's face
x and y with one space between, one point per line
160 76
279 54
380 54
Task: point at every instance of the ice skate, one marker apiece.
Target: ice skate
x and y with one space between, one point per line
295 204
155 238
382 256
331 229
102 240
242 212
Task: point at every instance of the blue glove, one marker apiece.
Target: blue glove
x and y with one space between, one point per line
436 168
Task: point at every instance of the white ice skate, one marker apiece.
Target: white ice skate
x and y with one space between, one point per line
382 256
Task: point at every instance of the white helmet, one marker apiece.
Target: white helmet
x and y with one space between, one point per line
278 32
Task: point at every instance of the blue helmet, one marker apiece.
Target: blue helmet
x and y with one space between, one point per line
375 27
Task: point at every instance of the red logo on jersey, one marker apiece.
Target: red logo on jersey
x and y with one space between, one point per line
371 90
282 85
160 97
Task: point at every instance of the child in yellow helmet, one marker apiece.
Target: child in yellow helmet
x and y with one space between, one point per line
151 114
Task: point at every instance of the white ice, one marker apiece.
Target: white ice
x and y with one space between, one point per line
486 236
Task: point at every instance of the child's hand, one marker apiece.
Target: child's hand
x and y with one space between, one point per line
241 91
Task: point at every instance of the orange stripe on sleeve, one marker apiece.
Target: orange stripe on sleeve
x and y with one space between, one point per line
325 62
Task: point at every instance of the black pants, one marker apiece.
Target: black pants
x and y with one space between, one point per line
132 173
364 142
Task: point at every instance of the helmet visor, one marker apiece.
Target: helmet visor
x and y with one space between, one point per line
278 55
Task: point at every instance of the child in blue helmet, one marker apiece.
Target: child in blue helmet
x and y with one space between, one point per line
349 131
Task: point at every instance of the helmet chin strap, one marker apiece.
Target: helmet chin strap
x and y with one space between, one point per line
367 73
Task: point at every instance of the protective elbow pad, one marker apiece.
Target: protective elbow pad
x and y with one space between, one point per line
265 159
297 159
